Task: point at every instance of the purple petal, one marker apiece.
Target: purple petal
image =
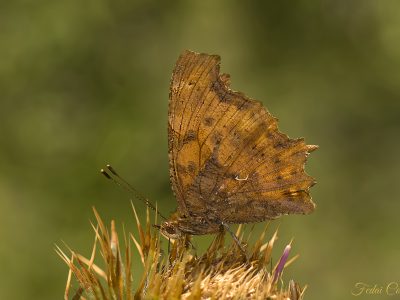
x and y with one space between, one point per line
282 262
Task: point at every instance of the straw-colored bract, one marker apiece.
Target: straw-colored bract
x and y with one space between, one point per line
222 272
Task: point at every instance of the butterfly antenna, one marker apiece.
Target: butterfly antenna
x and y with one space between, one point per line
111 174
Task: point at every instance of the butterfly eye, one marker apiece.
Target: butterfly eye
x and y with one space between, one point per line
170 229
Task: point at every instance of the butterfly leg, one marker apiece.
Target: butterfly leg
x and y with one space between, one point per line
191 244
235 238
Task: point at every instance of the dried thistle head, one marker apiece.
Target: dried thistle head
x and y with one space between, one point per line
222 272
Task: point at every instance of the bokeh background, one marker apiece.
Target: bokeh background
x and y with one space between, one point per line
85 83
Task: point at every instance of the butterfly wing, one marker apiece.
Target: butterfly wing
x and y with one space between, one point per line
227 157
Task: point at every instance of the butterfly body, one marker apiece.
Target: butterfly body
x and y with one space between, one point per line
178 224
229 163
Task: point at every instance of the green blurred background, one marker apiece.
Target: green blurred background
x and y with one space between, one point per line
85 83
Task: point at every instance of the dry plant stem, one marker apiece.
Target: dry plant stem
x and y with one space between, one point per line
222 272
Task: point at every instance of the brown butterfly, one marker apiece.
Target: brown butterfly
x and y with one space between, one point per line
228 161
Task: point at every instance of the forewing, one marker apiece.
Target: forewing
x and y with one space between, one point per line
190 97
227 157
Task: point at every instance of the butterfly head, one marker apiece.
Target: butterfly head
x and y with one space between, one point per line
170 229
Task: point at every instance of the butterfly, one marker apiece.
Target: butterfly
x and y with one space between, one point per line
229 163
